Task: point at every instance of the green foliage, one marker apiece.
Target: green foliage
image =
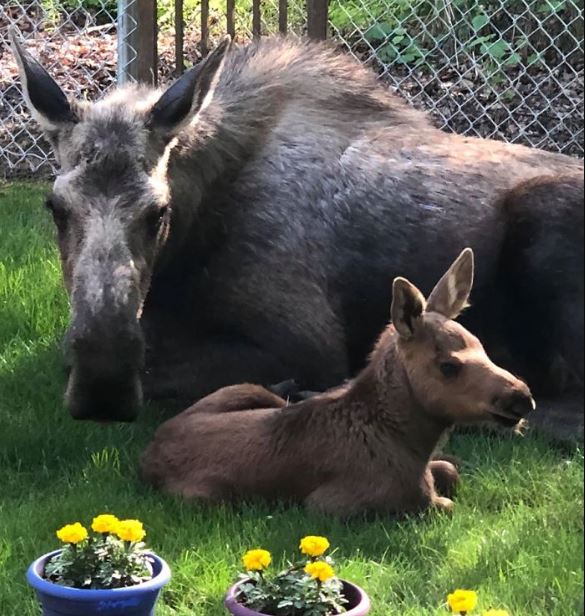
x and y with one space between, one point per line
100 562
57 7
498 34
292 593
397 44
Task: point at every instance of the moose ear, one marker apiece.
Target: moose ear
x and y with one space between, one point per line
191 93
408 306
47 103
451 295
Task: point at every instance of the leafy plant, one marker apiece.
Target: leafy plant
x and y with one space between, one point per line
68 6
303 589
394 44
113 557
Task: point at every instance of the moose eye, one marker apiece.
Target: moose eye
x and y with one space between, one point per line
450 369
60 214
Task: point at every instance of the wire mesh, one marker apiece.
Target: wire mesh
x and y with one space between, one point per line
76 41
507 69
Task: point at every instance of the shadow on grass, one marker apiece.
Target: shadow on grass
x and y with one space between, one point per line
36 422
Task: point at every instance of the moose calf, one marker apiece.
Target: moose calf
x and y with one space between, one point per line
365 446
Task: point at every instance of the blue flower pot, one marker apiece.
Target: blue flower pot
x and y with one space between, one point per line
58 600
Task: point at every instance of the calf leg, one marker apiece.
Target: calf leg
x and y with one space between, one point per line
203 489
349 498
443 504
237 398
445 477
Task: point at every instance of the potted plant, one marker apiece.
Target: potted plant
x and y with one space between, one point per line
107 571
307 588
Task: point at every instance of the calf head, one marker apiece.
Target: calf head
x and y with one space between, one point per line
449 372
112 210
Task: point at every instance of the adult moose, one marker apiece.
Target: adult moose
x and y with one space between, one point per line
246 224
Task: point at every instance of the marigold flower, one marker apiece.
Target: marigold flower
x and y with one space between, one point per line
462 601
130 530
72 533
105 523
314 546
321 571
496 613
257 560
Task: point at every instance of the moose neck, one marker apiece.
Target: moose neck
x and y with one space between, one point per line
207 156
387 396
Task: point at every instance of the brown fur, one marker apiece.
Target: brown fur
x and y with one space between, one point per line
365 446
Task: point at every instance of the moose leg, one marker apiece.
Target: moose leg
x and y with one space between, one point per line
443 504
338 499
212 365
345 499
542 270
445 477
203 489
561 419
236 398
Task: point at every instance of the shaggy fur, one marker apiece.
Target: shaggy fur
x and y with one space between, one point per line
366 446
245 226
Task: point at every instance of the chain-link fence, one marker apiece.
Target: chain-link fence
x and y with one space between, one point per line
508 69
76 42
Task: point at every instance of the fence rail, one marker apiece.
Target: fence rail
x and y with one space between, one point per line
507 69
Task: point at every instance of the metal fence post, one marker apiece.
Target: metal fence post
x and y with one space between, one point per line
137 41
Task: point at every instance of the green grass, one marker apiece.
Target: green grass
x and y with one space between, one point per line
516 535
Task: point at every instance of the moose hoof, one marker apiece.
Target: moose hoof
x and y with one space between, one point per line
444 505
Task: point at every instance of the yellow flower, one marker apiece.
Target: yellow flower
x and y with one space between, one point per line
130 530
320 571
497 613
462 601
72 533
257 560
314 546
105 523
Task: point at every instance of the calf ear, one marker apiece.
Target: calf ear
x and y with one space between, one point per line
47 103
191 93
408 306
451 295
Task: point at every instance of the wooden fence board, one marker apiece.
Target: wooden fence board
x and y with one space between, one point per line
283 16
317 19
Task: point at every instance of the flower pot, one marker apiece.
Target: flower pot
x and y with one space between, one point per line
136 600
359 602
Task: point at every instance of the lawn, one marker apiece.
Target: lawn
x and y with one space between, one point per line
516 535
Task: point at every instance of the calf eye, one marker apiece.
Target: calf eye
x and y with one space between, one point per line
60 214
450 369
